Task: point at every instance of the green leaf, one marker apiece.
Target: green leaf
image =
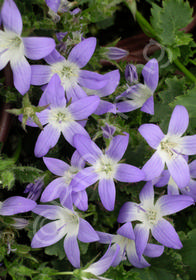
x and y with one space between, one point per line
26 174
188 100
56 249
188 253
7 179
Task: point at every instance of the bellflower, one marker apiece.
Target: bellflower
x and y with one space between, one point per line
105 167
61 117
61 186
66 223
114 53
172 187
170 148
141 95
15 205
125 239
131 73
150 215
108 131
14 48
72 77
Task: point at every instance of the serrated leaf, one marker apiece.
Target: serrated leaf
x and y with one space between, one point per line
56 249
188 100
7 179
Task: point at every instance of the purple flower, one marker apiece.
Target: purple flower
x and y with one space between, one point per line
151 215
172 187
108 131
14 48
34 189
61 117
170 148
131 73
115 53
72 77
66 223
141 96
61 186
15 205
105 167
125 239
20 223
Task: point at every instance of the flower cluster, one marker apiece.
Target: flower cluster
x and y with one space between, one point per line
70 96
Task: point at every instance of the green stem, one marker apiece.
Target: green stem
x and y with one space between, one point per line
145 25
62 273
185 70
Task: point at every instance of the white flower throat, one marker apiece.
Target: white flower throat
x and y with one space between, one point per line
11 43
168 147
105 167
68 73
141 95
60 117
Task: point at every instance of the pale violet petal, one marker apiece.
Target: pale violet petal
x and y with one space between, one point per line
179 121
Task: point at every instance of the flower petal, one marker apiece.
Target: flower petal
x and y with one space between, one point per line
118 146
54 93
105 107
83 179
11 17
84 107
133 257
51 212
107 193
71 130
141 238
105 238
38 47
56 166
49 234
82 52
40 74
130 211
92 80
126 106
86 232
113 78
163 179
170 204
147 193
152 134
87 148
80 200
127 231
188 145
128 173
153 167
53 190
66 197
46 140
77 160
21 74
54 57
179 121
148 106
179 170
165 233
4 59
53 5
153 250
150 73
72 250
192 167
15 205
75 93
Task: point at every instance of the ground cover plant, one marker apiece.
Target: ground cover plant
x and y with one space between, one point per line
97 140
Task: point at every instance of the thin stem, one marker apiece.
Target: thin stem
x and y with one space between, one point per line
185 70
62 273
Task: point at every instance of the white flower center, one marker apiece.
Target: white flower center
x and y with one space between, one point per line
150 214
168 146
122 241
68 73
139 97
12 44
70 219
70 173
60 117
105 167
